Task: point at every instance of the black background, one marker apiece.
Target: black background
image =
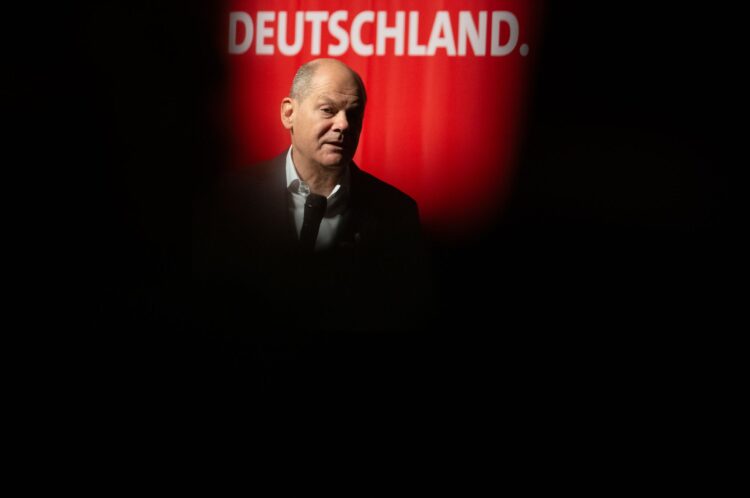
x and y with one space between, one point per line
609 264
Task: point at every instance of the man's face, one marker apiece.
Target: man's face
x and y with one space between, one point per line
326 123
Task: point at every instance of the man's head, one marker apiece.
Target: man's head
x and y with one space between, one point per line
324 112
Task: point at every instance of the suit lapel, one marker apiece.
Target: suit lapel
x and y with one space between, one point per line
277 202
359 223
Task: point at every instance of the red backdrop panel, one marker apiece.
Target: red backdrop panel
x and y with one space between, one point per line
443 128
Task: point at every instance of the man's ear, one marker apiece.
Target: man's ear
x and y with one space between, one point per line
287 112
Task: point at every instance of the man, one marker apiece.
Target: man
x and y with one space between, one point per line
308 240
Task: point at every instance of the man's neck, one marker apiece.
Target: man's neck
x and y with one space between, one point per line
321 180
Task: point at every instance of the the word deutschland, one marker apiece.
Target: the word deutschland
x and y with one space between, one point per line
370 33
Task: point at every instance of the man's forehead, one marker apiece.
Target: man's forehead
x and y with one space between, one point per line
335 96
335 83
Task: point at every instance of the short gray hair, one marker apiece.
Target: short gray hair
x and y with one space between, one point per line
303 79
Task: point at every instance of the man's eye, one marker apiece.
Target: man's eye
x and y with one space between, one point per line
327 110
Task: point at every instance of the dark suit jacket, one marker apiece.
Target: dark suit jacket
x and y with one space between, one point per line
251 275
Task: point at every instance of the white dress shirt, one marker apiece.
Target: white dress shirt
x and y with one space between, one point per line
336 204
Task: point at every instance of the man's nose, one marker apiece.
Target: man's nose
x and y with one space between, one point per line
340 123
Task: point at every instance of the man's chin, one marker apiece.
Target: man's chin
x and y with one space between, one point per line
335 161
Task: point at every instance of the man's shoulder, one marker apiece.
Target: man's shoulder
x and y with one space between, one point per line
378 191
249 189
253 175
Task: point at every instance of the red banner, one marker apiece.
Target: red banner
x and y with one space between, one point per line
446 81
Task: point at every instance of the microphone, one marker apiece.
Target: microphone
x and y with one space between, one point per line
315 208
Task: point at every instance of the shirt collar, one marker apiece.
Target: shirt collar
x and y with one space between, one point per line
296 186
